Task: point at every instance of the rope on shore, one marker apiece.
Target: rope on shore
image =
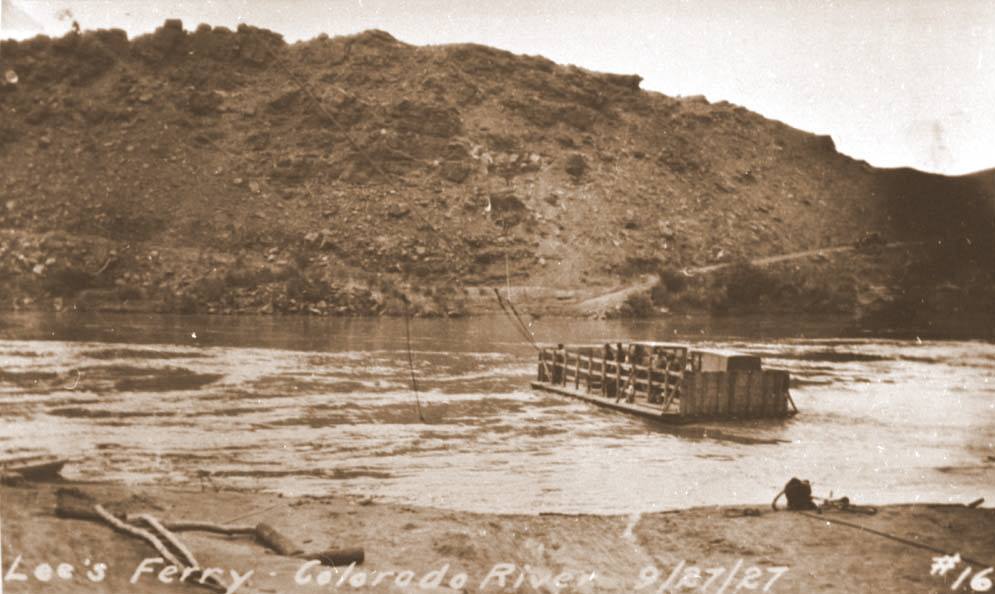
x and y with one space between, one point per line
893 537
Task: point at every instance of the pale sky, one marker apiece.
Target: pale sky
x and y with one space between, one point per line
895 82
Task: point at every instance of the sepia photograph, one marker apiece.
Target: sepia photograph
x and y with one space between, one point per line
464 297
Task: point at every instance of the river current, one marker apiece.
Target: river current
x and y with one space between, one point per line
317 406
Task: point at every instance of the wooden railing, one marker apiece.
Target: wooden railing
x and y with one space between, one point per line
647 373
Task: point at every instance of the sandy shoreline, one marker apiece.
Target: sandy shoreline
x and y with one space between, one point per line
589 553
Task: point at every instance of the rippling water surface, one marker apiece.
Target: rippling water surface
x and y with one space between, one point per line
312 406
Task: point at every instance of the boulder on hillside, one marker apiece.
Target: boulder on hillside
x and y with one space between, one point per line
576 165
429 120
503 202
203 102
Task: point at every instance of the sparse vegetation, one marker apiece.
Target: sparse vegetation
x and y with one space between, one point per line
638 305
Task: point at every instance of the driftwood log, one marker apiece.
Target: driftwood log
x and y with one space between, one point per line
145 535
268 536
278 543
188 559
337 557
194 526
178 546
74 504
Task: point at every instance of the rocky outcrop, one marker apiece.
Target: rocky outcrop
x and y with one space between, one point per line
374 168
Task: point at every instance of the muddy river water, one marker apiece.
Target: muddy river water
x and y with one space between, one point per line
317 405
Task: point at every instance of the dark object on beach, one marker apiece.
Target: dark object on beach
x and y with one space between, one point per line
338 557
976 502
33 467
799 495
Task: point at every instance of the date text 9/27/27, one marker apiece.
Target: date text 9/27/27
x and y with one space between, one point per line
715 580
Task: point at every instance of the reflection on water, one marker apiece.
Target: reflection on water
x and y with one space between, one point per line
304 405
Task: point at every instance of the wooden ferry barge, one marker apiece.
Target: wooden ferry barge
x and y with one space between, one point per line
666 382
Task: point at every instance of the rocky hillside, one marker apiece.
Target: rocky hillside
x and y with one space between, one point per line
227 171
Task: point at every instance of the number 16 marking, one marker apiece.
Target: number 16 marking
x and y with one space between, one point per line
979 583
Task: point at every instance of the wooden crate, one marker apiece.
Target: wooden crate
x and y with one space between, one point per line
735 394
